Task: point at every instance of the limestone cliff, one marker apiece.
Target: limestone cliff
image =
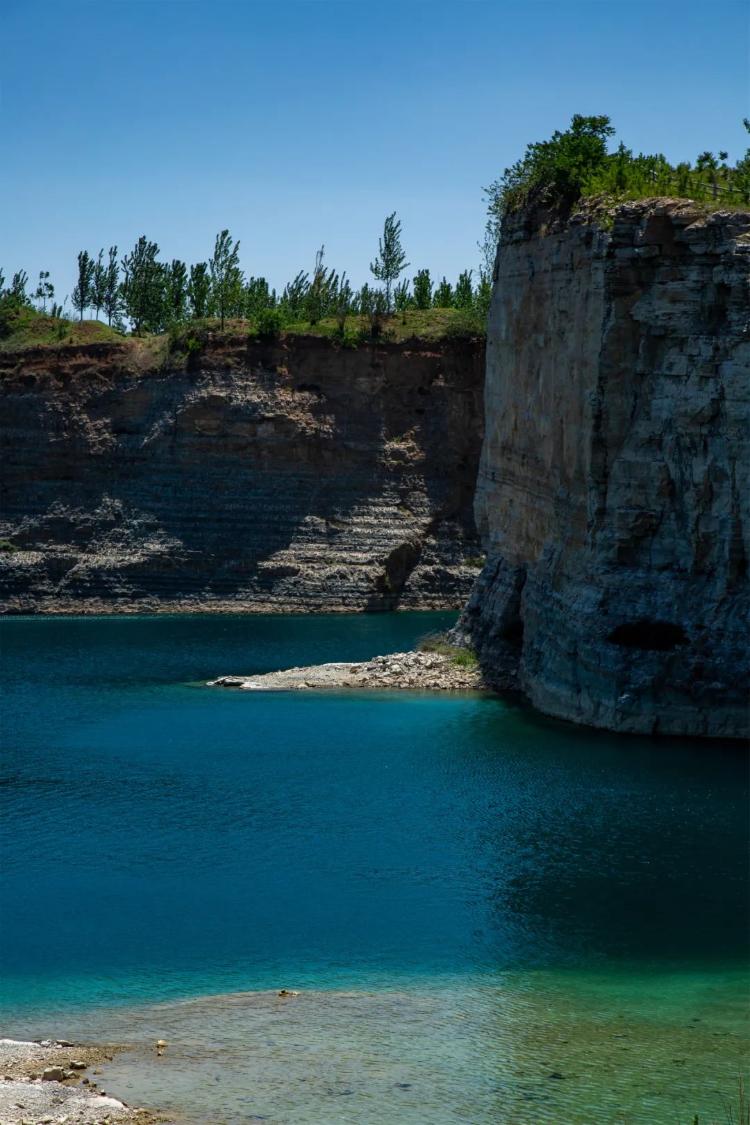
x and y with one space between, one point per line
613 493
286 476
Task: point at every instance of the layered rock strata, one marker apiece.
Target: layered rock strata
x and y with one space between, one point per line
614 486
286 476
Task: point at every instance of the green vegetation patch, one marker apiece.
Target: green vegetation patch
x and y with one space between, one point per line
411 324
576 164
432 324
460 655
24 327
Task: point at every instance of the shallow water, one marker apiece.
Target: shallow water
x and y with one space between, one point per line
470 899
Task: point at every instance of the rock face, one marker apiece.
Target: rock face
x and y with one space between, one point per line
614 486
285 476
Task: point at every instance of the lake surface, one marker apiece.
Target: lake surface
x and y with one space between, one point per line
489 917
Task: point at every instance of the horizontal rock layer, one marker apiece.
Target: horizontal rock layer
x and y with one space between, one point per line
287 476
613 492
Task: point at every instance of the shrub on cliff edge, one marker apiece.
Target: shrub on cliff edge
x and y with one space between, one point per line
575 164
269 324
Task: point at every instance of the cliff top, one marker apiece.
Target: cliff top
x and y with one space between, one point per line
26 329
575 164
540 217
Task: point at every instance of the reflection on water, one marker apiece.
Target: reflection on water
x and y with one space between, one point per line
471 899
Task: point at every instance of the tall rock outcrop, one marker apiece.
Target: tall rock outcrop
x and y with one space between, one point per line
286 476
614 485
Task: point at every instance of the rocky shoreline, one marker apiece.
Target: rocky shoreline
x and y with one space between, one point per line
46 1083
410 671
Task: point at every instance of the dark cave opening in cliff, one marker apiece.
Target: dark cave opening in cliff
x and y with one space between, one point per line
653 636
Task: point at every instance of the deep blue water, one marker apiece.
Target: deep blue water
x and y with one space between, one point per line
163 839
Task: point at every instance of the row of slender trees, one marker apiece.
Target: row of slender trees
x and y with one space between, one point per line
151 295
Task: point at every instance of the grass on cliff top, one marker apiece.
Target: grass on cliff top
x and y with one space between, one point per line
414 324
420 324
26 328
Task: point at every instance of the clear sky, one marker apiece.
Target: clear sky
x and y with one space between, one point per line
301 123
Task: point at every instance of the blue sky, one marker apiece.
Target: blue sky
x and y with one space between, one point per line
301 123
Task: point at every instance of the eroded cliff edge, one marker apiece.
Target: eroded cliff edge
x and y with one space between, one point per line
291 475
614 485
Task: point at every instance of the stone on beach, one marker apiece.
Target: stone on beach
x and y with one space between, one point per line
27 1097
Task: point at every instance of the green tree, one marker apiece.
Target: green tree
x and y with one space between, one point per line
482 297
177 292
45 290
487 253
555 170
18 284
443 298
258 297
402 298
423 289
463 294
363 300
294 296
16 294
391 260
371 304
226 275
199 291
343 302
144 287
379 309
316 298
82 292
112 302
98 284
707 166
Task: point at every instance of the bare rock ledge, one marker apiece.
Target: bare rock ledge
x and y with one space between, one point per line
415 671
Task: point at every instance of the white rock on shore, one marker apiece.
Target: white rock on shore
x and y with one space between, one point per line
32 1089
410 671
25 1102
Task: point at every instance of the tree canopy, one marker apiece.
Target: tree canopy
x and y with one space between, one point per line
576 163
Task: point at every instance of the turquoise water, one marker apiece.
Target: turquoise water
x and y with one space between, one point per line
470 899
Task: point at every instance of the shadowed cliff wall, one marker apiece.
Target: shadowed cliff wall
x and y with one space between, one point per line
289 476
613 494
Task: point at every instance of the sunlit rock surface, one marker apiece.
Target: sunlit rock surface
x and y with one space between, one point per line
291 476
614 493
